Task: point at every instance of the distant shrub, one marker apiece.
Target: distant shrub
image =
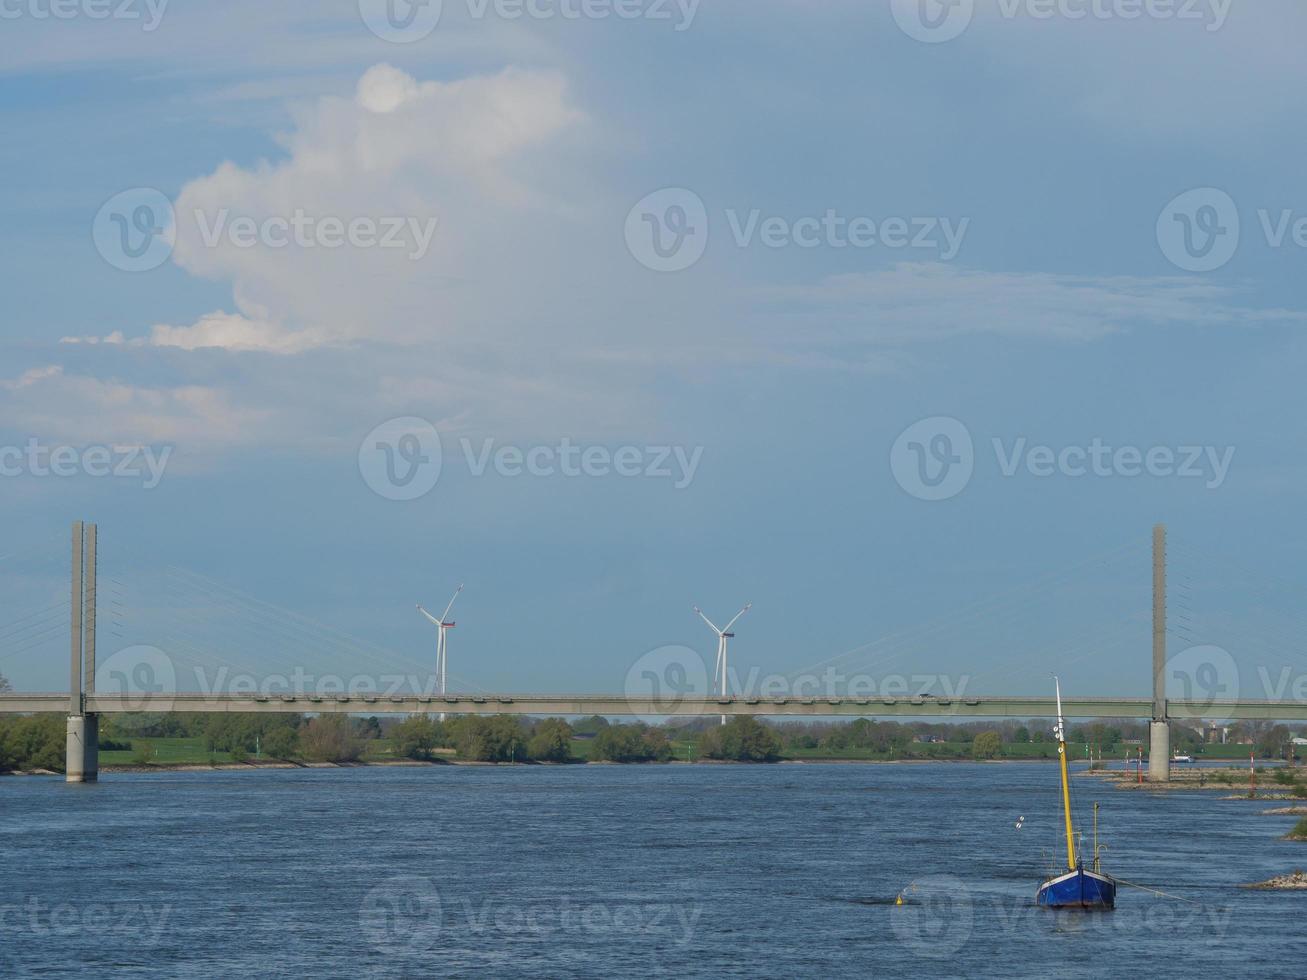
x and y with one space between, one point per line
329 738
32 742
742 739
414 737
987 745
281 743
551 741
632 743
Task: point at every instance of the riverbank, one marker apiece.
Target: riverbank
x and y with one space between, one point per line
254 765
1294 881
1274 783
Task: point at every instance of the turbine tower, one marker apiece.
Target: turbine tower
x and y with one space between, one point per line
444 624
719 668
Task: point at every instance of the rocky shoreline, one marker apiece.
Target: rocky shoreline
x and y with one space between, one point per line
1294 881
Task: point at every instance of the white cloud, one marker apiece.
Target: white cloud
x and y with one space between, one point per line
218 330
73 407
445 171
930 301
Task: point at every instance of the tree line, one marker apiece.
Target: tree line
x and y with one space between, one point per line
37 742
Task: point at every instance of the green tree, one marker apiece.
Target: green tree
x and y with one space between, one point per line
657 745
742 739
1022 734
497 739
33 742
281 743
369 727
551 741
590 726
329 738
1271 745
414 737
620 743
987 745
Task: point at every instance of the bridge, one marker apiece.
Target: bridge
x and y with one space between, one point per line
577 705
84 705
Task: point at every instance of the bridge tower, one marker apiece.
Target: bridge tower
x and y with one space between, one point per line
82 749
1159 731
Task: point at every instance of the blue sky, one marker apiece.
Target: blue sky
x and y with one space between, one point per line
1052 146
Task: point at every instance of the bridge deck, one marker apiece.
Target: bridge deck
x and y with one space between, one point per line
616 704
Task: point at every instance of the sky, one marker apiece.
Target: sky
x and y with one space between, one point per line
903 320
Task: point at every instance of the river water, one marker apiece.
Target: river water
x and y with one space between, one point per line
703 870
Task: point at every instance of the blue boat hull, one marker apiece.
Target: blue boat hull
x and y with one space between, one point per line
1079 889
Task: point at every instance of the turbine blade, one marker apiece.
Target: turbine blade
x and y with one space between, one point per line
445 617
428 615
711 625
747 607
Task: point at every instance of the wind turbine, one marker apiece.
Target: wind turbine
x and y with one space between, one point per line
719 668
444 624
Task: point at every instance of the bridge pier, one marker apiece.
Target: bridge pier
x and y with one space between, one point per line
82 749
82 740
1159 732
1159 752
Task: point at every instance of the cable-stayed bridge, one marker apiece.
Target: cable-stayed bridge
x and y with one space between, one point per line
144 679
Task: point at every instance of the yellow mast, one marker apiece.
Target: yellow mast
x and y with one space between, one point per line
1060 732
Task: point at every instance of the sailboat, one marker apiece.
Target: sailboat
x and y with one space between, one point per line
1076 888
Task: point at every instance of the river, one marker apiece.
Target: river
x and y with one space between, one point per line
601 871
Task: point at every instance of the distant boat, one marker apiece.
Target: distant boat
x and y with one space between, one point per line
1075 888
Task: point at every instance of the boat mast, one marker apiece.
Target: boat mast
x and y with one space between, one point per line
1060 732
